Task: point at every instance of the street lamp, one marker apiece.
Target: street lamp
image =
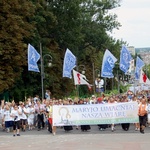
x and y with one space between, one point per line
83 68
83 72
49 57
97 72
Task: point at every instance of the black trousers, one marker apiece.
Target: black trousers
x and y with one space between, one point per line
49 127
103 126
40 119
125 126
16 125
143 120
85 127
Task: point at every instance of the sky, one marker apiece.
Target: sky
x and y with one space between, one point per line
134 16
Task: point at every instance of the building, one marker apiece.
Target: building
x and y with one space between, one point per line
131 50
144 54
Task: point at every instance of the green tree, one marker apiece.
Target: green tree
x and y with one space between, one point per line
81 25
14 28
43 20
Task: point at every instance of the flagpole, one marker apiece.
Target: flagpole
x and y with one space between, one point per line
118 82
77 86
42 68
134 85
42 75
83 72
93 79
105 83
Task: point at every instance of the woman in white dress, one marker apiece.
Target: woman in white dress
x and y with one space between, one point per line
31 115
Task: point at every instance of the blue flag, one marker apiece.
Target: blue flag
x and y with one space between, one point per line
139 65
33 57
108 65
69 63
125 58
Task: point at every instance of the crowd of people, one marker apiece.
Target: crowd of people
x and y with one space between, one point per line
35 113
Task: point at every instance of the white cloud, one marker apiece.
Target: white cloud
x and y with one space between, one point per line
134 16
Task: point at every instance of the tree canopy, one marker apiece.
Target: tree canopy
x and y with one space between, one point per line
81 25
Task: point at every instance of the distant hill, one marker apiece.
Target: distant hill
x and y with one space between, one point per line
144 53
142 50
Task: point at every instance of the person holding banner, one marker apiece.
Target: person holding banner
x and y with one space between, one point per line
142 114
125 126
137 125
84 127
100 100
50 119
68 127
111 100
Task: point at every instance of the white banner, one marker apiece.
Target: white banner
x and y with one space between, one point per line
94 114
139 88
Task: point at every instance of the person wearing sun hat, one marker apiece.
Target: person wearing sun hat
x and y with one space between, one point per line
93 100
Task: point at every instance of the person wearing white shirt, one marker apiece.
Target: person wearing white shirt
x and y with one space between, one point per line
23 116
36 98
93 100
15 114
48 95
111 100
7 118
99 85
31 115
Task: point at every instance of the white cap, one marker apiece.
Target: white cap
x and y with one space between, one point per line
93 95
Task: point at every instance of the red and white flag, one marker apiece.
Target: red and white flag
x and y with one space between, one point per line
80 79
143 78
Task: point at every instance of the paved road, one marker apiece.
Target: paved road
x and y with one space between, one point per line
77 140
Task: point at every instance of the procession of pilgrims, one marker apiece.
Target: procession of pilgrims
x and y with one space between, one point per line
36 113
